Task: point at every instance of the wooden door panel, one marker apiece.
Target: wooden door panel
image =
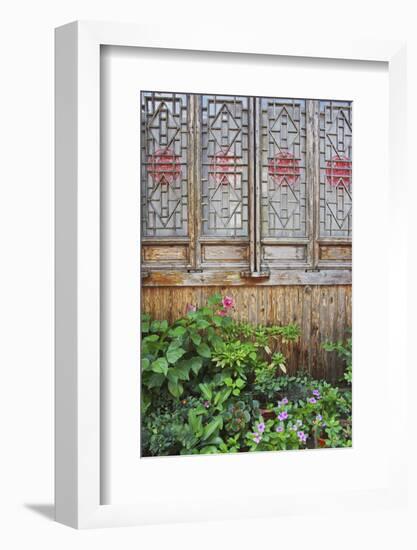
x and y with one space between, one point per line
245 185
225 194
335 189
284 185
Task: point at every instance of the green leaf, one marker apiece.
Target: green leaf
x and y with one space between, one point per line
206 391
174 353
218 320
155 380
228 381
164 326
172 375
182 370
177 332
145 363
195 364
236 391
214 299
216 341
175 389
204 350
196 338
202 324
151 338
210 428
240 383
195 422
155 326
209 449
221 396
160 366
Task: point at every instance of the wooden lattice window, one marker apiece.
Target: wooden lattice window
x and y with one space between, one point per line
245 188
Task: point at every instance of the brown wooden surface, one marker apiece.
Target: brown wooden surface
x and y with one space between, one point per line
323 313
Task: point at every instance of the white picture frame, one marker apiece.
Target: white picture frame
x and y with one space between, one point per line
78 406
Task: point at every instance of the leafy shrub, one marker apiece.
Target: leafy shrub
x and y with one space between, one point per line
210 385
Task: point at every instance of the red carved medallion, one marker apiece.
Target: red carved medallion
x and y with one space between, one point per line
164 166
222 166
339 170
284 168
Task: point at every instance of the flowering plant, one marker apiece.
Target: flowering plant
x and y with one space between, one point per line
211 384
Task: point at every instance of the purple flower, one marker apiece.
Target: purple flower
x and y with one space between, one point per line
257 437
299 423
312 400
319 418
316 393
261 427
207 404
280 428
284 401
302 436
294 427
283 415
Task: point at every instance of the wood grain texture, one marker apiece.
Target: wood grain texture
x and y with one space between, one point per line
322 312
336 252
164 253
226 277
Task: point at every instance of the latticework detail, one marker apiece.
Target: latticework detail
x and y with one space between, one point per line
164 164
284 190
335 169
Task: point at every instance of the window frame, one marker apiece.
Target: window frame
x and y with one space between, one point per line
190 269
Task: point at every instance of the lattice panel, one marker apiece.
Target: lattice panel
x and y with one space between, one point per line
225 166
283 171
164 164
335 169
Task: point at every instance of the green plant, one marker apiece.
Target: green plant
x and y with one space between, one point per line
207 381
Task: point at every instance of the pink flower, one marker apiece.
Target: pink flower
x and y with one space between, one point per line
221 312
190 308
228 302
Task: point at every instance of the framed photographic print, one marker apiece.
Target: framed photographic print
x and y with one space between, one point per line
221 207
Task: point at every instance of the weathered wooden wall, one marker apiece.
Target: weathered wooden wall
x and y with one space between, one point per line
322 312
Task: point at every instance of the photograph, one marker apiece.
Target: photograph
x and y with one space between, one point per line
246 273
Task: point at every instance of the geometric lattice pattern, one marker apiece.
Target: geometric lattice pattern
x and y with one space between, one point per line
284 189
164 164
225 166
335 169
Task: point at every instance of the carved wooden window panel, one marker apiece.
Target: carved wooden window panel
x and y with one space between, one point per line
246 185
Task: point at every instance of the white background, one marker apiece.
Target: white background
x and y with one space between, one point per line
26 301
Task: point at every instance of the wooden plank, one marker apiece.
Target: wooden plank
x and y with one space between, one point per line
233 278
286 252
315 183
253 202
305 326
198 182
257 186
164 253
230 253
192 181
335 252
311 175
